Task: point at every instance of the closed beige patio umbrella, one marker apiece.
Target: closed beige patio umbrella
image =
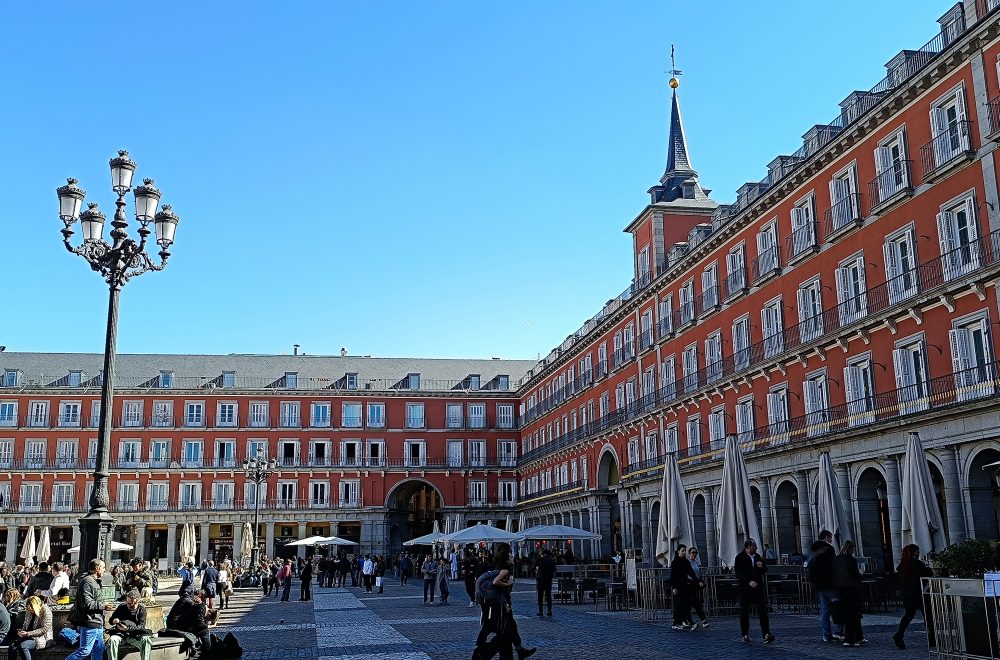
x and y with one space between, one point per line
737 520
674 524
920 519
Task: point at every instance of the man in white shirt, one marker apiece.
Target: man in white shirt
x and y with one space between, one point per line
60 581
367 573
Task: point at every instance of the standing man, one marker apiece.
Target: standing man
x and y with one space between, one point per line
820 571
545 570
139 578
681 575
210 582
405 566
453 561
88 614
128 623
285 579
368 573
429 572
470 571
751 573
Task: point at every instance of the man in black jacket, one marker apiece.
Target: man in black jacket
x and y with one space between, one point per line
128 624
545 570
88 614
188 615
820 570
680 582
40 581
752 573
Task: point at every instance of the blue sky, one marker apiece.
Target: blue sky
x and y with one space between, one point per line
439 179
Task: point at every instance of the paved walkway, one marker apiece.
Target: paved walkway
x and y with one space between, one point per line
347 624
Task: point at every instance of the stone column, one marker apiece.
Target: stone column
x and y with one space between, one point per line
302 535
844 488
806 536
269 539
171 545
140 541
237 538
953 495
766 513
711 543
12 548
647 533
894 496
203 542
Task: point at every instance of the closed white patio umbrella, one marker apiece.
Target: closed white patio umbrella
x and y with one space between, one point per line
44 547
674 525
920 519
187 544
737 520
829 507
28 547
248 542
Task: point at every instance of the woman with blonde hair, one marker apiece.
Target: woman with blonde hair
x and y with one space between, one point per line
36 633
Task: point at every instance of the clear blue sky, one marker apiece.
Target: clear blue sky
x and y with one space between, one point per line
438 179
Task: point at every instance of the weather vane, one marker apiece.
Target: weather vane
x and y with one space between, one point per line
674 71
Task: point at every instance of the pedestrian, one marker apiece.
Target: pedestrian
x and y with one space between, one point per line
305 575
186 573
88 614
380 569
343 568
429 571
769 554
680 581
405 566
210 582
847 581
285 578
819 568
225 571
470 571
910 571
696 588
36 631
453 561
498 615
752 576
128 626
545 570
368 573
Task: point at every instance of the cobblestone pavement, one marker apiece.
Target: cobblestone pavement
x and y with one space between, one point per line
347 624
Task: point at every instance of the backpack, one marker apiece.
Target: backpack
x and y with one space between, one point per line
486 594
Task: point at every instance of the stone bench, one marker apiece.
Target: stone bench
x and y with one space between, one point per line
164 648
154 616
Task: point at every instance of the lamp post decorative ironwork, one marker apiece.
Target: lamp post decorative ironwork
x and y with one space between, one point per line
117 262
258 471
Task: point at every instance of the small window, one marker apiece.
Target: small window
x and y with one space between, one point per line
10 378
166 379
413 381
503 382
291 379
352 381
74 379
229 379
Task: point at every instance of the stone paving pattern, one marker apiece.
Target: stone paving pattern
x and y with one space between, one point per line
347 624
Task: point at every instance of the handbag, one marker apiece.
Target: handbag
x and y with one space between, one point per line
378 581
229 589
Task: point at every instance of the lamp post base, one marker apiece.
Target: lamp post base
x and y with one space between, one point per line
95 539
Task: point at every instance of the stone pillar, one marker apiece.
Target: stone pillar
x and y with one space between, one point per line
953 495
12 548
171 545
711 539
237 539
203 542
302 534
844 488
140 541
603 522
766 514
806 535
647 533
894 496
269 539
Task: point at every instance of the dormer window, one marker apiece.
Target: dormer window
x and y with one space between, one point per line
74 379
474 382
166 379
503 382
352 381
10 378
413 381
229 379
291 379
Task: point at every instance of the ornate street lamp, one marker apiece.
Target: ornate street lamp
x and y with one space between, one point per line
258 471
117 262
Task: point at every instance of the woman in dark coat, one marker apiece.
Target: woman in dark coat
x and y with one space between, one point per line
847 582
910 570
681 577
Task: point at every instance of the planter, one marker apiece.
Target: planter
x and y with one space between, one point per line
961 620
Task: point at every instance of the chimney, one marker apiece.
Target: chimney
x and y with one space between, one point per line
295 349
343 352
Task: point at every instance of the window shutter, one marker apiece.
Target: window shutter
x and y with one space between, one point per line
939 122
949 242
813 400
853 386
798 218
961 350
805 310
905 378
970 210
883 159
843 285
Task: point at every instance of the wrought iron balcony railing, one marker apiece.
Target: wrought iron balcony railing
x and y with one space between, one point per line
950 146
891 184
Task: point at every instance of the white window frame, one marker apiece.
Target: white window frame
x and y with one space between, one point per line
909 357
901 264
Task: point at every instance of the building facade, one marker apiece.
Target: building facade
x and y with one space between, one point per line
846 299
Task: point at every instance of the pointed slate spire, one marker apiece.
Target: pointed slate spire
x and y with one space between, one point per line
677 151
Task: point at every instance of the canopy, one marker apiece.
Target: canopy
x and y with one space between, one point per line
334 540
426 539
309 540
44 548
481 532
674 525
737 520
28 547
248 542
920 519
115 547
829 507
557 533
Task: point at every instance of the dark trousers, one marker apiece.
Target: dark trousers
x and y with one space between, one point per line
470 587
341 578
506 637
429 588
695 602
850 611
286 588
330 577
306 593
544 590
404 575
223 598
912 605
368 582
681 607
748 598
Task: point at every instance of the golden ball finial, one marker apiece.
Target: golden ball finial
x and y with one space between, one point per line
674 83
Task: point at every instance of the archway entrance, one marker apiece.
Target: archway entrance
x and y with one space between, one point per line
873 519
984 496
786 519
412 508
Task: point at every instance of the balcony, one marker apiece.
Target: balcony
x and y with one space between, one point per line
351 462
415 422
320 422
38 421
477 421
224 462
602 368
260 422
685 313
194 422
951 147
766 264
736 283
225 421
195 463
375 461
223 504
843 215
708 302
351 422
623 355
890 186
376 422
8 422
645 340
350 504
802 242
130 421
69 421
455 421
163 420
665 327
320 461
547 492
508 462
640 466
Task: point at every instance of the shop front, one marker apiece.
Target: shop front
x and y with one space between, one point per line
285 533
220 542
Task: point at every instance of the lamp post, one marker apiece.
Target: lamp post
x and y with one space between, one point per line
117 262
258 470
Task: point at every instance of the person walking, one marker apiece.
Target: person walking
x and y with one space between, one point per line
681 576
368 573
910 571
429 571
453 561
470 571
405 566
88 614
343 568
820 571
751 572
186 573
305 575
847 582
225 575
443 573
36 632
696 589
498 615
545 570
210 582
380 569
285 579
